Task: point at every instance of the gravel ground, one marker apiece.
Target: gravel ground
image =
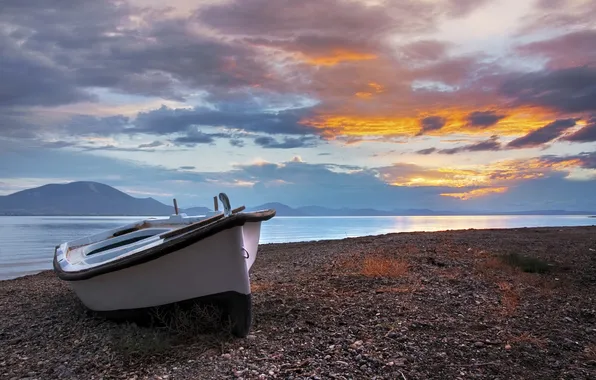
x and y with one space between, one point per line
399 306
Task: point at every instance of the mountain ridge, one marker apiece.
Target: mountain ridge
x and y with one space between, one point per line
88 198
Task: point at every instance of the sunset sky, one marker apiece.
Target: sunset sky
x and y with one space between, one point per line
439 104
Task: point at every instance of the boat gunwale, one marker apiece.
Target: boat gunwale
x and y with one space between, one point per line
168 246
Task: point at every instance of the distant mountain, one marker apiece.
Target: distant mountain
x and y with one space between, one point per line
280 209
284 210
79 198
324 211
93 198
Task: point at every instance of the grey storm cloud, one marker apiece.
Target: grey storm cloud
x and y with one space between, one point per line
194 137
577 48
287 143
543 135
167 120
586 134
238 143
288 18
432 123
427 151
487 145
53 50
83 125
31 80
565 90
153 144
484 119
587 159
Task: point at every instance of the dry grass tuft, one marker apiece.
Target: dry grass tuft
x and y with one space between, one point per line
529 338
384 267
256 287
509 298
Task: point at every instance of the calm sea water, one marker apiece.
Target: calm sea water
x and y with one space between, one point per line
27 243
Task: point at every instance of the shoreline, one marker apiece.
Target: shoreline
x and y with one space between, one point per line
410 304
364 236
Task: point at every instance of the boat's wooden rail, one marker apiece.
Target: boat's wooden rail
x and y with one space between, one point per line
198 224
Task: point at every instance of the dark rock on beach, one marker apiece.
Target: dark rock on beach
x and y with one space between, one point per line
482 304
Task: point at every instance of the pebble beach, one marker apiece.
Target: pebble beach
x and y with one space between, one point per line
469 304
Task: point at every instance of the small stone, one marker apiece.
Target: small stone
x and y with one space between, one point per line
508 347
363 367
227 356
251 337
341 362
479 344
327 357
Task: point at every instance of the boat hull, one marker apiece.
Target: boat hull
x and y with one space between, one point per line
214 268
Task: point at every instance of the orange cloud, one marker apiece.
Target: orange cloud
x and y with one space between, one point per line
364 95
518 122
476 193
499 174
336 56
377 88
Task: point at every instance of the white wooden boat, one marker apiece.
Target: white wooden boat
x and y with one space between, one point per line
168 260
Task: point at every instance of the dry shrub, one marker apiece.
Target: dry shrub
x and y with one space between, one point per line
509 298
513 264
527 264
528 338
384 267
256 287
